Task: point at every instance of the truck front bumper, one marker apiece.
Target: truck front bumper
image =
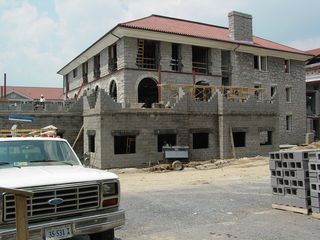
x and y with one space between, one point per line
82 225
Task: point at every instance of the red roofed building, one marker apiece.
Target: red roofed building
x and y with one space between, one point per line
137 62
18 93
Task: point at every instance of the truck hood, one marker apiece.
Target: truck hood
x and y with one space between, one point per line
50 175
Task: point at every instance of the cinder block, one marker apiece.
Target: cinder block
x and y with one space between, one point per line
275 155
303 193
272 164
287 156
279 173
274 182
286 182
278 190
315 179
314 167
280 182
278 164
304 184
315 202
300 202
285 164
302 174
300 165
314 156
315 187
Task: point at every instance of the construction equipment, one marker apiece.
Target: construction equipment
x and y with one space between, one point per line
176 156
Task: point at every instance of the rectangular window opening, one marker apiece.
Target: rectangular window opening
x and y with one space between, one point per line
96 66
124 144
113 58
200 140
286 66
260 63
67 83
273 91
148 54
85 72
75 72
200 56
289 122
166 140
92 143
288 94
176 57
239 139
265 137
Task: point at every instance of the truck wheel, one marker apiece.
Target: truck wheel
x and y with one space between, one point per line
106 235
177 165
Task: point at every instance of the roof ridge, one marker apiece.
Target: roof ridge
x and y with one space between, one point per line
178 19
138 19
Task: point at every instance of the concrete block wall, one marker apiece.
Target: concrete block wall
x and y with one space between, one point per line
291 179
69 122
314 173
244 74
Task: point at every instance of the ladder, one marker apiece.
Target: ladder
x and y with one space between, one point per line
140 54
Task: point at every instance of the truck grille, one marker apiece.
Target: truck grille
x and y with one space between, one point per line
75 200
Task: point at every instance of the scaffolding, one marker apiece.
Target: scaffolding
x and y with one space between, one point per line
204 92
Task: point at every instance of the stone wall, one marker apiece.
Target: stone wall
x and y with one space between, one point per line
214 117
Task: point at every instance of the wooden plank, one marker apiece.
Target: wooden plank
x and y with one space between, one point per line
290 208
232 144
21 217
316 215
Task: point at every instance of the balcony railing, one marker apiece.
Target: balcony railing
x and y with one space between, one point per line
200 67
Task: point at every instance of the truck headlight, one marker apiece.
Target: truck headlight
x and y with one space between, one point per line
109 189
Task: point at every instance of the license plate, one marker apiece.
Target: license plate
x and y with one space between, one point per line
59 232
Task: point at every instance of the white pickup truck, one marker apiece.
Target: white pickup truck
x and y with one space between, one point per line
68 199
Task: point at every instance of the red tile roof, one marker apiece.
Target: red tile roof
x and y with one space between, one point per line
315 52
35 92
201 30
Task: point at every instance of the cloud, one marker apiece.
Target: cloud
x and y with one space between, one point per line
25 24
306 44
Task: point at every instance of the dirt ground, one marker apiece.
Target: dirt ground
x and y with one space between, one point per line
196 173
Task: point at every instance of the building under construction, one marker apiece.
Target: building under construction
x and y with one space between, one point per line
158 80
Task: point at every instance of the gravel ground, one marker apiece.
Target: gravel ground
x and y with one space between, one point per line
233 202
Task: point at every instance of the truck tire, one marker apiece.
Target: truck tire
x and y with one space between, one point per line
106 235
177 165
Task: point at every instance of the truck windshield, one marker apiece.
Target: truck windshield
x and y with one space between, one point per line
36 152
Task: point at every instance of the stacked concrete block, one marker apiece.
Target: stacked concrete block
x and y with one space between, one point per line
314 173
290 178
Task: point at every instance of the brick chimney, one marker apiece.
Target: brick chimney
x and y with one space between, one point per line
240 26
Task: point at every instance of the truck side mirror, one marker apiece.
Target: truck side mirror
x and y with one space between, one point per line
86 159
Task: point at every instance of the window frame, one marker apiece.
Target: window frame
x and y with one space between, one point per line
289 122
288 94
259 66
287 65
200 146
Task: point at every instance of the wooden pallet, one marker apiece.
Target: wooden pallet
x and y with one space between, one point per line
316 215
290 208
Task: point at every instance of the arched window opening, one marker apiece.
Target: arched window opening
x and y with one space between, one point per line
148 92
202 92
113 90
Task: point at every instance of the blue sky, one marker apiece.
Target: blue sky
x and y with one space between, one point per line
38 37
